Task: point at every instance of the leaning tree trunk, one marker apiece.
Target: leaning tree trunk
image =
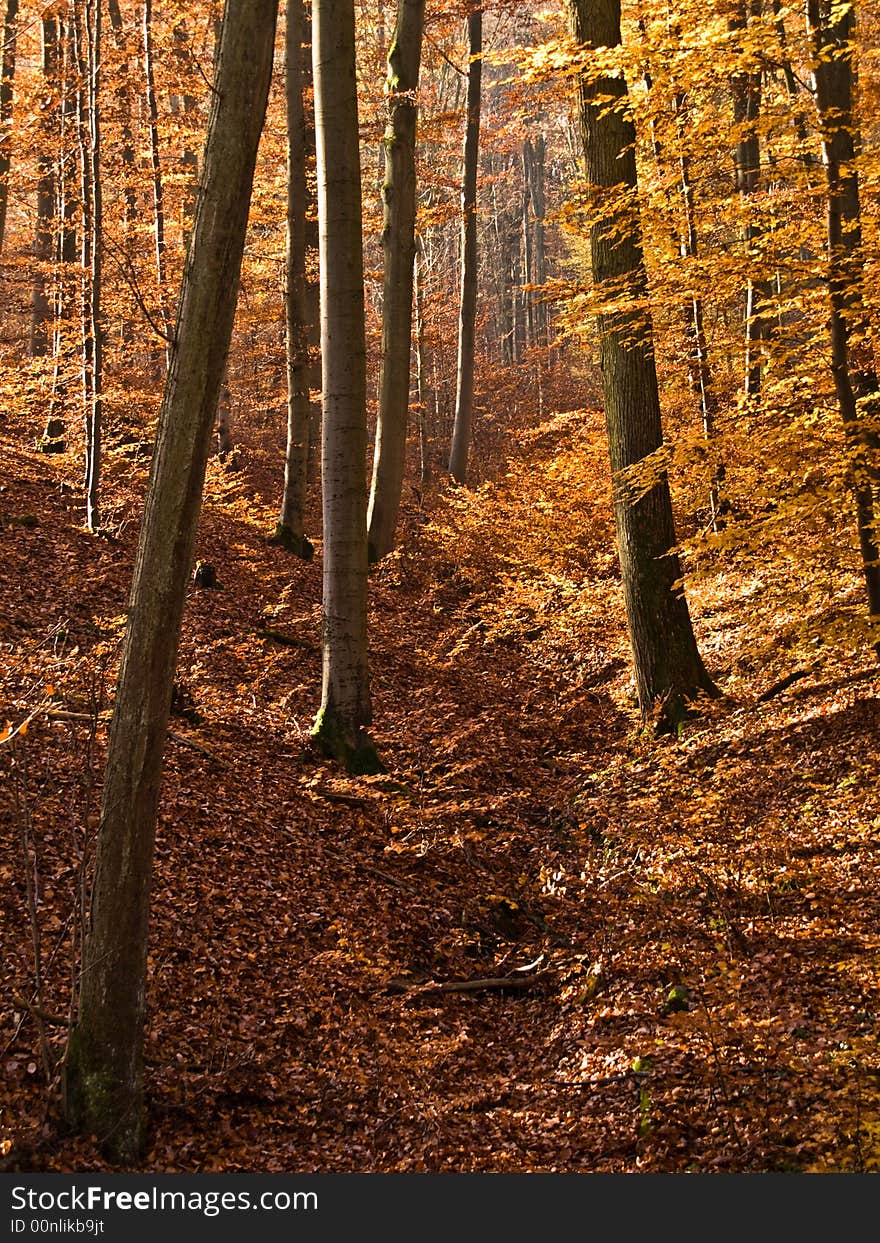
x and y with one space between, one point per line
105 1064
668 669
7 80
345 711
290 530
833 28
464 388
398 240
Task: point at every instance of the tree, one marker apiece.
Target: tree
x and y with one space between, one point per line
464 386
105 1064
7 81
345 712
746 88
289 531
398 240
44 232
668 668
832 27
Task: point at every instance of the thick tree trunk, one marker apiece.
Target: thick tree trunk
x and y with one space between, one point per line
833 28
7 82
290 532
105 1065
464 389
398 240
345 711
668 669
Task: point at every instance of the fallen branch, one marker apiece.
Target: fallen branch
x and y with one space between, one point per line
286 640
63 715
482 984
46 1016
782 685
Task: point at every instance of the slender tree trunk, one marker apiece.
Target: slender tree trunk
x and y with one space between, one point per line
156 167
126 110
93 318
534 166
398 240
289 532
668 669
7 82
421 406
464 390
345 710
105 1064
746 88
701 366
66 253
41 304
833 31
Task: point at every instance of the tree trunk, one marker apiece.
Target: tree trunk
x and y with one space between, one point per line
41 305
105 1065
289 532
833 30
398 240
345 710
126 110
156 166
701 367
94 359
668 669
464 389
66 254
746 89
7 80
421 406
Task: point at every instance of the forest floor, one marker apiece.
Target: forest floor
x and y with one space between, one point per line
691 927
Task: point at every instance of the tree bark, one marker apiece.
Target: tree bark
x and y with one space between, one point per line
105 1065
833 29
290 530
398 241
7 82
668 669
464 389
345 710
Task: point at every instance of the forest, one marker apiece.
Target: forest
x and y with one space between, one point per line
440 586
